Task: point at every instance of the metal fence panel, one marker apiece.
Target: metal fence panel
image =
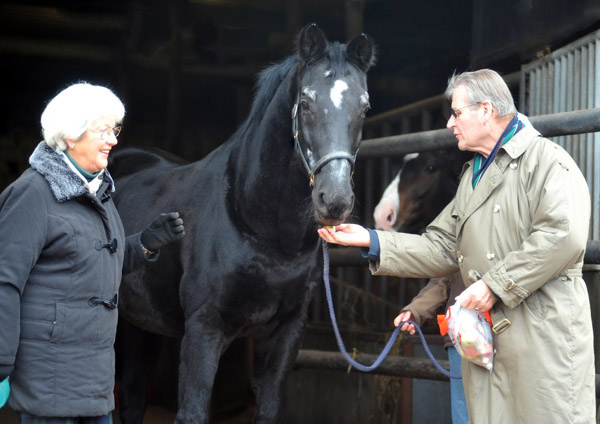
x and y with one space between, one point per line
564 81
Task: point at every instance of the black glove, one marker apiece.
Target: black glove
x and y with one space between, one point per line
166 228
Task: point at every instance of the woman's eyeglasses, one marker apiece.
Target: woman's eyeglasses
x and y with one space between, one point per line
108 131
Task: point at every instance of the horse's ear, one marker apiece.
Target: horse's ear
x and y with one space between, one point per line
361 51
312 44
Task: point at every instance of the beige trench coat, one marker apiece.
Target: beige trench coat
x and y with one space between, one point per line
524 230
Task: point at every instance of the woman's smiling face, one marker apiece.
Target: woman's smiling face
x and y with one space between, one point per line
91 151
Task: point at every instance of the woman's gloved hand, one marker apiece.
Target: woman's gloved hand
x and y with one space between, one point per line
166 228
4 392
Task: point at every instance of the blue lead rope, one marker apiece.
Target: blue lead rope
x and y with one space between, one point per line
390 342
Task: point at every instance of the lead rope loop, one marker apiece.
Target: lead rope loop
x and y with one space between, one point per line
391 340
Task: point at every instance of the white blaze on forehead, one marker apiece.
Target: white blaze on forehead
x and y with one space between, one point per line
337 92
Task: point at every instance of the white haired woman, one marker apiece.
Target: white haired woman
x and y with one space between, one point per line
62 255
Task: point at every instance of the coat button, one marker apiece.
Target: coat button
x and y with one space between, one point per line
460 259
496 208
490 255
513 165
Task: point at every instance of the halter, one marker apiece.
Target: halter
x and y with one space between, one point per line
321 162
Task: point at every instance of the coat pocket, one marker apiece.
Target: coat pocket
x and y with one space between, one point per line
535 306
59 322
76 324
39 321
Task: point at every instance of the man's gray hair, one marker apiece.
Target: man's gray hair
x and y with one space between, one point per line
70 114
481 86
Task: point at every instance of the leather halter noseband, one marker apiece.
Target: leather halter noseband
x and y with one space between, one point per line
321 162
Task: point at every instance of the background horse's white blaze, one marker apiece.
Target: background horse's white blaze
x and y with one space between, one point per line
386 211
387 208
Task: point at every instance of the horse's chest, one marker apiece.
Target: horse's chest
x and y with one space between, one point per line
258 292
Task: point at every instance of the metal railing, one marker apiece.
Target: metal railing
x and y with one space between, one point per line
559 124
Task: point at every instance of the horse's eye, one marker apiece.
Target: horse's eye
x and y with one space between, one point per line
304 104
431 169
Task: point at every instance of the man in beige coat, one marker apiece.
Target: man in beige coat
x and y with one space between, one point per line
517 231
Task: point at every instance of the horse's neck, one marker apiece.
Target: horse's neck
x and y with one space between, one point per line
270 190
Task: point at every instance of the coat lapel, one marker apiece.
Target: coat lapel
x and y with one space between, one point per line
469 200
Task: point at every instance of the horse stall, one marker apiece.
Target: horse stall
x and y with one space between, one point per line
406 388
321 387
560 95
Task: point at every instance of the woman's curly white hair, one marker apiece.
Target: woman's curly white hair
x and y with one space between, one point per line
70 114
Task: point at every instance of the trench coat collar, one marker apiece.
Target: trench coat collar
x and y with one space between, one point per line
519 143
513 149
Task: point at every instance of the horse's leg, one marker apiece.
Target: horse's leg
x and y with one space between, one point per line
201 349
274 358
136 352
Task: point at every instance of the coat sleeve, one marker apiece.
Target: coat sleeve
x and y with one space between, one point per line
134 254
23 231
430 300
431 254
559 204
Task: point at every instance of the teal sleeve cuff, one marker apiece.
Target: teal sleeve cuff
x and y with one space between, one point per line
4 392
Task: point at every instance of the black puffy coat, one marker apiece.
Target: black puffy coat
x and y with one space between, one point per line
62 254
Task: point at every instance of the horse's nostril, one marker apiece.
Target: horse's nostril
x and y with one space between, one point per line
335 205
391 218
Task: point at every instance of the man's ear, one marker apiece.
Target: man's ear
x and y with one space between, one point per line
488 109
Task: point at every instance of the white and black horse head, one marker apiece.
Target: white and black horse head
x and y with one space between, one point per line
423 186
332 101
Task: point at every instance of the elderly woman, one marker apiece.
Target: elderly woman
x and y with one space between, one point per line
62 255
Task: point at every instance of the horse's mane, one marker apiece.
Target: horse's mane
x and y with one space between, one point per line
266 85
269 80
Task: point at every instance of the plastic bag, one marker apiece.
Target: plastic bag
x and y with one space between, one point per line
471 334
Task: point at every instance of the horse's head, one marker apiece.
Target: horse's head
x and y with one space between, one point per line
424 185
332 100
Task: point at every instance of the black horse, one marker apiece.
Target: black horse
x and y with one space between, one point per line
251 258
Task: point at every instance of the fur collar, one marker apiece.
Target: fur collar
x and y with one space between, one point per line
65 185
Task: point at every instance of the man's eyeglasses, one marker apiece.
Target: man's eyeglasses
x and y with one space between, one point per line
107 131
454 112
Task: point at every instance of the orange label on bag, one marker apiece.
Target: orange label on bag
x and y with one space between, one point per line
443 322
